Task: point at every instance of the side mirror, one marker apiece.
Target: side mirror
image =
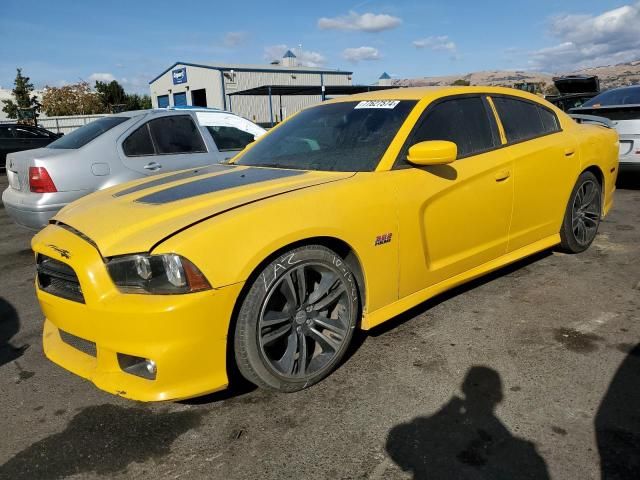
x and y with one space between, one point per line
432 152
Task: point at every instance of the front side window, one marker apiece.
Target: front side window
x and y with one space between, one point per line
6 132
464 121
83 135
523 120
175 134
230 138
344 136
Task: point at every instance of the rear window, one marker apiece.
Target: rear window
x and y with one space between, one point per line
524 120
83 135
618 96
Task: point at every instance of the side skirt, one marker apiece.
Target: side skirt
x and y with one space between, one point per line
387 312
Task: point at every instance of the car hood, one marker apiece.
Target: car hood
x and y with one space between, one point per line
136 216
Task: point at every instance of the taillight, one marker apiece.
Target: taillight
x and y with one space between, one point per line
40 181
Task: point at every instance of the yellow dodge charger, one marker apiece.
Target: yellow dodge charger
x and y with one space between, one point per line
342 217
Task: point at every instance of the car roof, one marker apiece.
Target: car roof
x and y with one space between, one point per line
420 93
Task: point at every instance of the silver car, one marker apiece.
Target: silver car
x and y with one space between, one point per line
116 149
622 107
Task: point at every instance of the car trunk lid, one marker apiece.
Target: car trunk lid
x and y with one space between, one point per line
138 215
18 164
574 84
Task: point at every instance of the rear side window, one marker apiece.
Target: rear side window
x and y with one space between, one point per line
139 143
463 121
524 120
5 132
230 138
83 135
176 134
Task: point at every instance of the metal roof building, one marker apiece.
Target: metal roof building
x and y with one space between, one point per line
212 85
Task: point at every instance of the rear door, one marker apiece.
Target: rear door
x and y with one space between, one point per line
165 143
545 160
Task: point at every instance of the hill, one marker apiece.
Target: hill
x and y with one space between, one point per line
610 76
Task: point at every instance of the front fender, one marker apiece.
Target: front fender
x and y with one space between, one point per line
229 247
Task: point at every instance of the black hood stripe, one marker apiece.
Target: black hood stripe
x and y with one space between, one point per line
174 178
218 183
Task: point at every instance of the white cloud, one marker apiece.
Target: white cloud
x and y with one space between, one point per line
366 22
101 77
440 43
591 40
355 55
305 58
233 39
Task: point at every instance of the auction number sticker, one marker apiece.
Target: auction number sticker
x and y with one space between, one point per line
389 104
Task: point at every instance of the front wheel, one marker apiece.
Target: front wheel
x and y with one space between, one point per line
582 217
297 319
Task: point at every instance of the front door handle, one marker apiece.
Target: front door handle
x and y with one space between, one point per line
569 151
153 166
503 175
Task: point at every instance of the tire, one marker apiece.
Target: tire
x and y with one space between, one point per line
296 320
582 217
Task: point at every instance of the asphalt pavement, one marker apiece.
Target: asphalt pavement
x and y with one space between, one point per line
531 372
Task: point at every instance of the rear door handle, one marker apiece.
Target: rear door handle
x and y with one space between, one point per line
569 151
152 166
503 175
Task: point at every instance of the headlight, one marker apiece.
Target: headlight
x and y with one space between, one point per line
159 274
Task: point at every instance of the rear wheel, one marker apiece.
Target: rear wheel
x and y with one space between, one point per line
297 320
582 217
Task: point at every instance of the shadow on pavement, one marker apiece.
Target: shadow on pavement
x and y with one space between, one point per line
103 439
629 180
9 326
617 422
465 439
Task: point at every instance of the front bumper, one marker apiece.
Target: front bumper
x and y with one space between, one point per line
185 335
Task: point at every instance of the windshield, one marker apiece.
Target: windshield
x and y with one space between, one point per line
83 135
618 96
345 137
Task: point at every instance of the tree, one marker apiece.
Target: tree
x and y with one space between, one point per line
115 99
23 99
461 82
137 102
111 94
75 99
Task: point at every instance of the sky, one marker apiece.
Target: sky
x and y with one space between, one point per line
132 41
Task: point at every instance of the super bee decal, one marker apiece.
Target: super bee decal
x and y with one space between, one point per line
382 239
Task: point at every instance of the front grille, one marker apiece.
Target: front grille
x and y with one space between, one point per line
58 279
78 343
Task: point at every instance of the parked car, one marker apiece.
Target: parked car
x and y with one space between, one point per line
574 91
116 149
15 137
622 107
342 217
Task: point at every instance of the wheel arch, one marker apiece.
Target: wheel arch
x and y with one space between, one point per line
342 248
599 174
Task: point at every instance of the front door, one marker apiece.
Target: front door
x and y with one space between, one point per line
454 217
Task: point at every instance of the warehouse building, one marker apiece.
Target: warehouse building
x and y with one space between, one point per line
215 86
